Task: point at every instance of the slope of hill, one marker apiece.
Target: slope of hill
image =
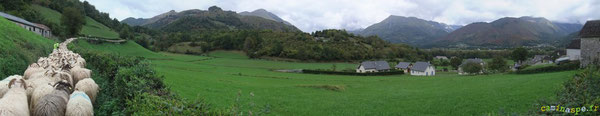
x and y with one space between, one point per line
508 32
92 27
410 30
19 47
265 14
214 18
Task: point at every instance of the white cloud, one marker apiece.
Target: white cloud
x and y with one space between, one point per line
311 15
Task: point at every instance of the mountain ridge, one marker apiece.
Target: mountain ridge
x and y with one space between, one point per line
213 18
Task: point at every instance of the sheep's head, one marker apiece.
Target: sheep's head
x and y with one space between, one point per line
17 83
66 67
63 86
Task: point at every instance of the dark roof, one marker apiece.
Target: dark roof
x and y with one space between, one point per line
402 65
17 19
377 65
474 60
538 58
575 44
590 29
420 66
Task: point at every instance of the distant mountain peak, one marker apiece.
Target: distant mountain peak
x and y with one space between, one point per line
264 14
212 19
510 31
409 30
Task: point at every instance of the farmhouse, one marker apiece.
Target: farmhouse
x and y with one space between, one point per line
33 27
574 50
422 69
472 60
404 66
540 59
590 43
373 66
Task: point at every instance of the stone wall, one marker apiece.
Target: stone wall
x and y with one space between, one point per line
590 51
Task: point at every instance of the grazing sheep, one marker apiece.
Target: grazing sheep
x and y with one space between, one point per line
79 105
38 93
79 73
89 86
14 103
4 84
55 103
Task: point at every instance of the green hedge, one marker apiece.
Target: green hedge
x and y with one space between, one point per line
554 68
129 86
393 72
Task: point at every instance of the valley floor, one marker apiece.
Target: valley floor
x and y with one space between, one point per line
219 77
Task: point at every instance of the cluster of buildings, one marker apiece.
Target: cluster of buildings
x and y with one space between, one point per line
587 48
33 27
417 68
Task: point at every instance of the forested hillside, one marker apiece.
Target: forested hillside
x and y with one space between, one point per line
213 19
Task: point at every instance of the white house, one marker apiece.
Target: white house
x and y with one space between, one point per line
373 66
441 57
422 69
574 50
405 66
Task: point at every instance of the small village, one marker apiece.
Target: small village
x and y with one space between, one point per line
583 50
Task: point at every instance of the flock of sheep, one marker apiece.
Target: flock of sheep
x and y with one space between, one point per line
56 85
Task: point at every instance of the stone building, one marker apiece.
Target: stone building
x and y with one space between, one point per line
590 43
33 27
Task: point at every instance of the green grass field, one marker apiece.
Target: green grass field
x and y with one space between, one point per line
219 77
92 27
19 48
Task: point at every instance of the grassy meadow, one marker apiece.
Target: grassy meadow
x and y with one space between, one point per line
19 48
92 27
219 77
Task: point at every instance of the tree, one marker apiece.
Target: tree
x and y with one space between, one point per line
498 64
520 54
455 62
472 68
125 33
73 20
251 45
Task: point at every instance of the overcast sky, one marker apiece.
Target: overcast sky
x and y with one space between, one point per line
311 15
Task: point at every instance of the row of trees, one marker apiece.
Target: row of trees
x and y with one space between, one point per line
338 45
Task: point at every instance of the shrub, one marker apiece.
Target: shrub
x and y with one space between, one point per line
472 68
129 86
498 64
580 90
455 62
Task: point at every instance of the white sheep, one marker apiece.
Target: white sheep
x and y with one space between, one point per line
4 84
37 82
38 93
79 105
55 103
59 75
81 62
89 86
33 68
79 73
14 102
